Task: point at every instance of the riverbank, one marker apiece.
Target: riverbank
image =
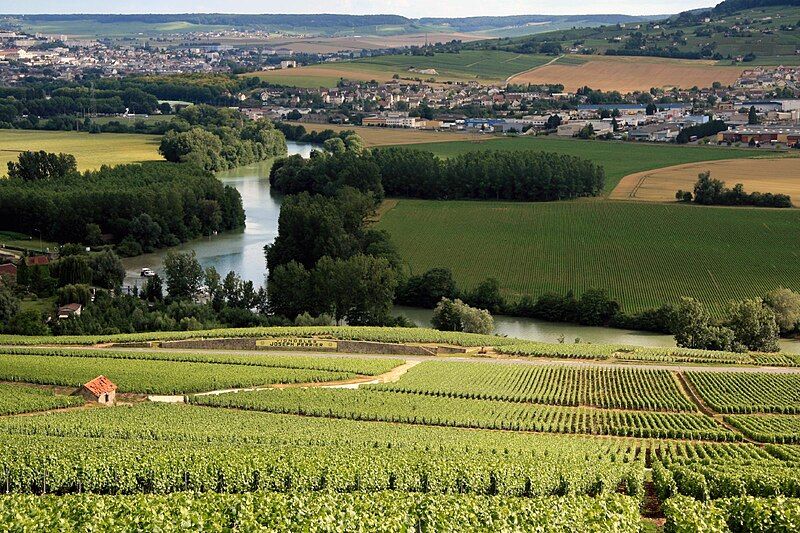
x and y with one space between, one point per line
555 332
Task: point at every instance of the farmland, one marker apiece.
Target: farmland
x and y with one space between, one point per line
485 66
617 158
375 136
643 254
763 175
627 74
452 442
91 151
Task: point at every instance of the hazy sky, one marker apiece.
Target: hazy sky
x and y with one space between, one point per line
409 8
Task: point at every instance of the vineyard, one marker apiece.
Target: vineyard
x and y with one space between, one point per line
643 255
618 388
731 392
362 512
22 399
152 377
768 428
431 445
367 367
376 334
484 414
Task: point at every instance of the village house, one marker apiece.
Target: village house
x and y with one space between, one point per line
100 390
69 311
8 272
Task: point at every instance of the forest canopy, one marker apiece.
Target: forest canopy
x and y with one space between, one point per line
149 205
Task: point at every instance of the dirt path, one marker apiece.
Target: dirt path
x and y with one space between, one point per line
693 394
776 172
391 376
508 79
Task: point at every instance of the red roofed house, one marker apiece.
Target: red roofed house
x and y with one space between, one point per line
101 390
37 260
9 271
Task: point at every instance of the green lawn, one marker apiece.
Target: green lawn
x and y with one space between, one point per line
91 151
618 158
643 254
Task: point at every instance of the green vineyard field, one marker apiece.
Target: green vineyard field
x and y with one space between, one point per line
483 414
643 255
736 392
618 388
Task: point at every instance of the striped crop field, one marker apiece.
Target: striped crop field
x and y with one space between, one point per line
617 388
644 255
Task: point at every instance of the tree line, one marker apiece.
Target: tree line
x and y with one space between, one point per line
40 103
410 173
709 191
140 207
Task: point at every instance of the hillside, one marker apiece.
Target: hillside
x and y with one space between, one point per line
331 25
742 31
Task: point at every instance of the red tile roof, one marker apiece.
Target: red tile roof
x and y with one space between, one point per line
8 269
37 260
100 385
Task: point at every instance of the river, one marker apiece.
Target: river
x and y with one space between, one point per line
539 330
243 252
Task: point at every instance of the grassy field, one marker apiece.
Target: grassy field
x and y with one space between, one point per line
91 151
486 66
626 74
619 159
763 175
643 254
374 136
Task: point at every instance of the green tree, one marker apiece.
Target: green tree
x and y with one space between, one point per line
487 296
107 270
70 294
455 315
41 165
693 329
9 306
354 143
27 323
359 289
196 146
753 325
752 116
289 290
335 145
428 289
184 274
785 303
595 308
74 269
153 290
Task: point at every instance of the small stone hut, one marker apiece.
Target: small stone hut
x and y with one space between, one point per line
101 390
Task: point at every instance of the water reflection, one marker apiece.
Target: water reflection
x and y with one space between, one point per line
241 251
539 330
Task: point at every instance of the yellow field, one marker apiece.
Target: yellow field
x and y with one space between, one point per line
375 136
763 175
91 151
328 75
627 74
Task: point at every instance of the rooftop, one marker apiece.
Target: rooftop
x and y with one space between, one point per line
100 385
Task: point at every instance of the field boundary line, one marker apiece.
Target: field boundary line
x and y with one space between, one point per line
508 79
392 376
694 395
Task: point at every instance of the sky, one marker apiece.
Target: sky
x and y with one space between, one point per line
408 8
